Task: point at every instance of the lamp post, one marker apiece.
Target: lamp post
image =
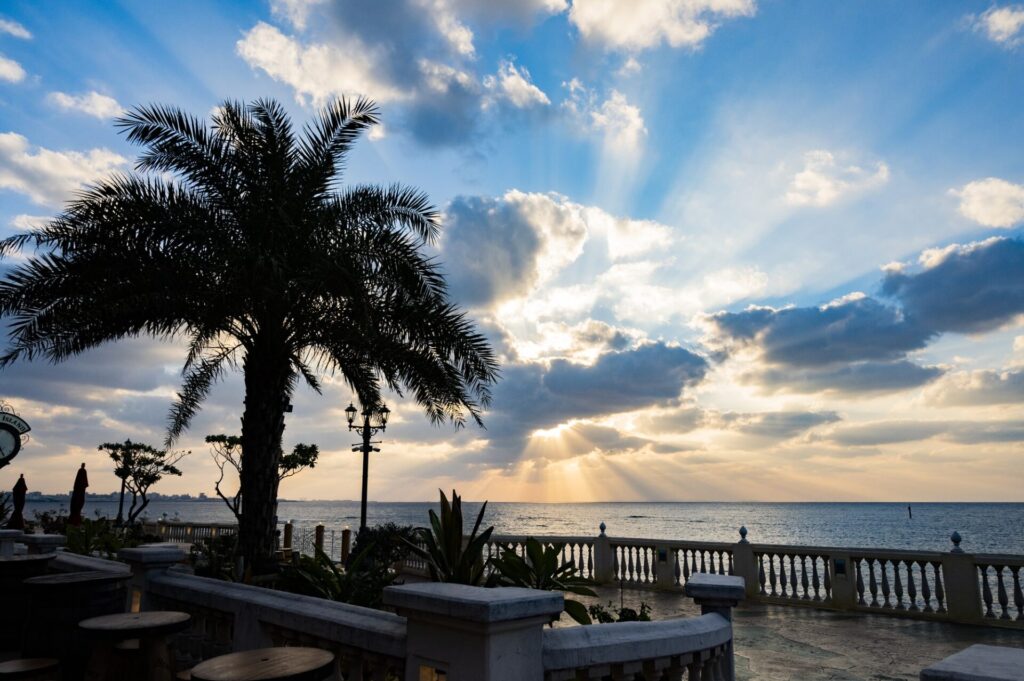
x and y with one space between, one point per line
366 429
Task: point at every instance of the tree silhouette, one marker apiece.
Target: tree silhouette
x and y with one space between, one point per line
236 238
140 466
226 450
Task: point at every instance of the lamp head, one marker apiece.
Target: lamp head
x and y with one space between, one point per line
350 413
384 413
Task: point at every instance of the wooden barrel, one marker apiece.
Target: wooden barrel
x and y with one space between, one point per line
13 571
58 603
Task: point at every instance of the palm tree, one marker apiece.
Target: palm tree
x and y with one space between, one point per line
237 238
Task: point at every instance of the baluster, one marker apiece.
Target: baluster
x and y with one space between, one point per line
782 575
860 581
677 569
815 582
803 578
793 579
826 567
1004 601
873 583
687 553
986 591
911 586
771 572
699 561
940 591
886 591
629 562
647 566
722 555
1018 595
615 562
898 584
590 560
926 590
760 573
732 566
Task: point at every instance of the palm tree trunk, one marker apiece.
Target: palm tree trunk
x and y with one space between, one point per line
267 387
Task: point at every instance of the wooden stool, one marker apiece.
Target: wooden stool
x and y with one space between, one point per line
268 664
151 629
30 669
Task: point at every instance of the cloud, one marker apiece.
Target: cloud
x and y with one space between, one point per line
992 202
777 425
521 11
858 378
964 288
1001 25
899 432
27 222
853 329
536 396
92 103
48 177
645 24
319 71
11 70
15 29
977 388
619 123
626 237
295 12
825 180
512 85
500 248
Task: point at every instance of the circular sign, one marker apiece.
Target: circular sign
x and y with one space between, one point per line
12 428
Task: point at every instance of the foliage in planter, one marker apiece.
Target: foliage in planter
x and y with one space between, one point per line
215 557
361 583
384 545
540 568
449 559
608 615
50 522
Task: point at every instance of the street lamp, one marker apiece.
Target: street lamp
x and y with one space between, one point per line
366 429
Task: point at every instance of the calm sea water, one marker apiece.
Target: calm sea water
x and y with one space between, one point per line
985 528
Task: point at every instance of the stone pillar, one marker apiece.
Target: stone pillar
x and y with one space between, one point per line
744 565
346 544
39 544
844 580
474 634
145 563
665 569
963 593
289 529
7 539
718 594
604 558
318 537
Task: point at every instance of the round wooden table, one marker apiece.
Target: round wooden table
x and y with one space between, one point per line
151 629
268 664
29 669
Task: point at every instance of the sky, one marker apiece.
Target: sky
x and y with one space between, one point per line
724 249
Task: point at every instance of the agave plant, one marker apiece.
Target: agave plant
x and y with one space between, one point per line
441 546
540 568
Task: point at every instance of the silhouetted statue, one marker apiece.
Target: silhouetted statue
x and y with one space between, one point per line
17 520
78 497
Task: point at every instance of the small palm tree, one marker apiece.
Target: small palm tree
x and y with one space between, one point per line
236 238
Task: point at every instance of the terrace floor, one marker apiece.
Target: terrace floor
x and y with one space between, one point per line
793 643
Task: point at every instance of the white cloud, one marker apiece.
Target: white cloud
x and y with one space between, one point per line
458 36
627 237
1002 24
296 12
11 70
992 202
643 24
520 10
377 132
317 71
28 222
48 177
824 179
620 122
442 78
15 29
91 103
512 84
630 67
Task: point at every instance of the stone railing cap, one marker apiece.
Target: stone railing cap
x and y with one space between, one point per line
978 663
56 539
716 587
10 534
474 603
171 553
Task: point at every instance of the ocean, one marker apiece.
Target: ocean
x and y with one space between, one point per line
985 527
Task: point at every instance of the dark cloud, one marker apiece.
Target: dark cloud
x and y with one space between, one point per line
897 432
776 425
856 378
971 289
847 331
490 250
